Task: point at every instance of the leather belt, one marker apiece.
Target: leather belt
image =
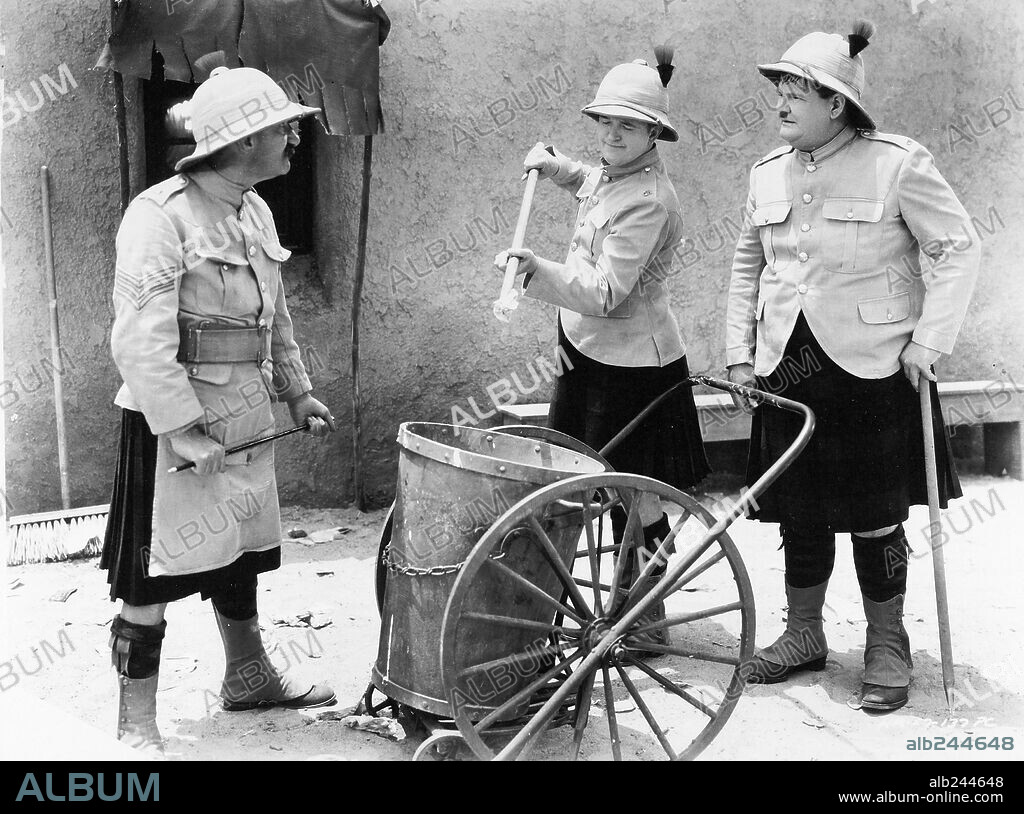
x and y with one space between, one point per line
211 343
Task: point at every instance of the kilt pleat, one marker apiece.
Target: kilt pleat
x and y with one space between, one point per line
593 401
864 465
130 529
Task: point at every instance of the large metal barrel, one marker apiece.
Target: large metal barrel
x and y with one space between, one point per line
453 483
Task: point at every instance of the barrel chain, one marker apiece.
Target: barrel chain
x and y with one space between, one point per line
417 571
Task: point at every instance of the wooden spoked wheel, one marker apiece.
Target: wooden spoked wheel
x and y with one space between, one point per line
544 608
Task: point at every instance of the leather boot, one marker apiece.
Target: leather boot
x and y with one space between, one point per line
252 679
887 660
802 645
133 649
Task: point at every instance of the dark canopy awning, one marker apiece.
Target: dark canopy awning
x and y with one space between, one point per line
322 51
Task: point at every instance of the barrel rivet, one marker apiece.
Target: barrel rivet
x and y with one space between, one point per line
536 448
501 469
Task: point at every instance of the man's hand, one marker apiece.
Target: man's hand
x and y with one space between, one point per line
539 158
194 445
307 410
527 261
917 361
742 374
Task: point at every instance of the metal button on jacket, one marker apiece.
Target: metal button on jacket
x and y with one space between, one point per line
803 257
811 167
252 250
573 246
263 286
805 227
802 288
808 197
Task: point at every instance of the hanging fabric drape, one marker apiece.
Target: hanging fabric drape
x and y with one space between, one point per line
324 52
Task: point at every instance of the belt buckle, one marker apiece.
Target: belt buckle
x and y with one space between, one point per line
261 338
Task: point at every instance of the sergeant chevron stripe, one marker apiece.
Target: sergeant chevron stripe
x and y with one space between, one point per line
140 288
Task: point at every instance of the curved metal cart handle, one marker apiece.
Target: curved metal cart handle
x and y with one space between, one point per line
790 453
760 396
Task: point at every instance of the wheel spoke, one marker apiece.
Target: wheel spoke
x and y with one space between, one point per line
583 699
696 572
684 618
561 571
601 549
609 705
672 687
586 583
632 519
653 647
541 594
525 624
515 658
646 712
642 587
595 560
525 693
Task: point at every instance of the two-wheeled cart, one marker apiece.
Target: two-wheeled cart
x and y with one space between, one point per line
508 610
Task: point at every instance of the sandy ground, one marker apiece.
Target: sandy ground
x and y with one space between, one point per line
807 718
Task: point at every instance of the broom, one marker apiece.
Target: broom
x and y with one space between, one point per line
59 535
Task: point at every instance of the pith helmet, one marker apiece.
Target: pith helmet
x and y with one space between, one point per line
831 60
232 104
637 91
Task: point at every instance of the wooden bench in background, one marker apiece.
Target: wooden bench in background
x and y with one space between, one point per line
997 405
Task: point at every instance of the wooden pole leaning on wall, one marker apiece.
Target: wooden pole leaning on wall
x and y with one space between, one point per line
121 120
357 294
121 117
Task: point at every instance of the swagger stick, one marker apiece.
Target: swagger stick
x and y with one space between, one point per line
247 445
934 528
509 299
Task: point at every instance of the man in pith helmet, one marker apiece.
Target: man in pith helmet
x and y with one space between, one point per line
830 305
204 343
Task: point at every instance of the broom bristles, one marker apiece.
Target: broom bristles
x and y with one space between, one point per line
56 540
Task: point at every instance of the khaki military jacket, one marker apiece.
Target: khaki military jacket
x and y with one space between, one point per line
611 290
186 257
838 234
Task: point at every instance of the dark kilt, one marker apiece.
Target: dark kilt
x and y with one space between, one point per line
130 526
593 401
864 465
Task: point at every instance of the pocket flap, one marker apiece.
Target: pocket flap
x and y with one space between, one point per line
275 251
885 309
771 213
217 246
209 372
598 216
856 209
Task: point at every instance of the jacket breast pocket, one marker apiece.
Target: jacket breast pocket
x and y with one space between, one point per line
267 265
849 239
772 220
